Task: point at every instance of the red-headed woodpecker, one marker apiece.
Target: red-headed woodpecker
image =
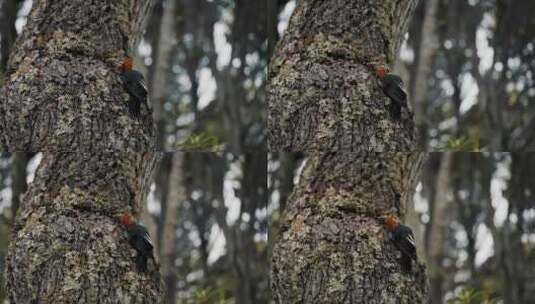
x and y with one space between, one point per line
403 239
139 238
134 84
393 88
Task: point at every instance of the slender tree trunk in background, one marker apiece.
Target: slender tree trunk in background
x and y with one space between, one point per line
160 68
237 258
18 180
62 89
162 181
8 34
177 195
254 197
437 228
323 93
427 50
332 247
228 94
68 246
522 165
272 26
241 248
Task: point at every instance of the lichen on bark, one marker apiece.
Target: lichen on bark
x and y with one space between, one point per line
332 246
323 94
67 244
62 88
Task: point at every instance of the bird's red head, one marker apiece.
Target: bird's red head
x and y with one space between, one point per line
381 72
391 223
128 64
126 219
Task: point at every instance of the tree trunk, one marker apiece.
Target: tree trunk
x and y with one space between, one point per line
428 47
272 26
520 198
323 93
8 15
177 196
68 246
63 91
165 41
332 247
438 225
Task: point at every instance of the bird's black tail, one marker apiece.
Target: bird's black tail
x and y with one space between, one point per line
141 263
406 263
395 109
134 107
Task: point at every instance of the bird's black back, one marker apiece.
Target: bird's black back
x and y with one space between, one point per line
135 84
140 239
396 93
402 244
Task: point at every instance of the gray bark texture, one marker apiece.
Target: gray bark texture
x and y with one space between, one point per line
332 246
323 93
62 90
68 245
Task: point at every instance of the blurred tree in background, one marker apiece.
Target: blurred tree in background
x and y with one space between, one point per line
470 66
474 218
206 72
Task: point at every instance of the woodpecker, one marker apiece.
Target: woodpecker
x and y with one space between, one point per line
393 88
139 238
134 84
403 239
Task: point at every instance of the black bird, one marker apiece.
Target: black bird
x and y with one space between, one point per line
139 238
393 88
134 83
403 239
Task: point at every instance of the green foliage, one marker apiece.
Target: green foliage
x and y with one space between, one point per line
200 142
462 143
471 296
210 295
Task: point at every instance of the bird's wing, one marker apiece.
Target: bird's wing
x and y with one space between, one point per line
407 245
143 84
147 237
397 94
400 95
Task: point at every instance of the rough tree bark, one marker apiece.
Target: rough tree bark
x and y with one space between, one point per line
68 246
62 90
323 93
333 248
